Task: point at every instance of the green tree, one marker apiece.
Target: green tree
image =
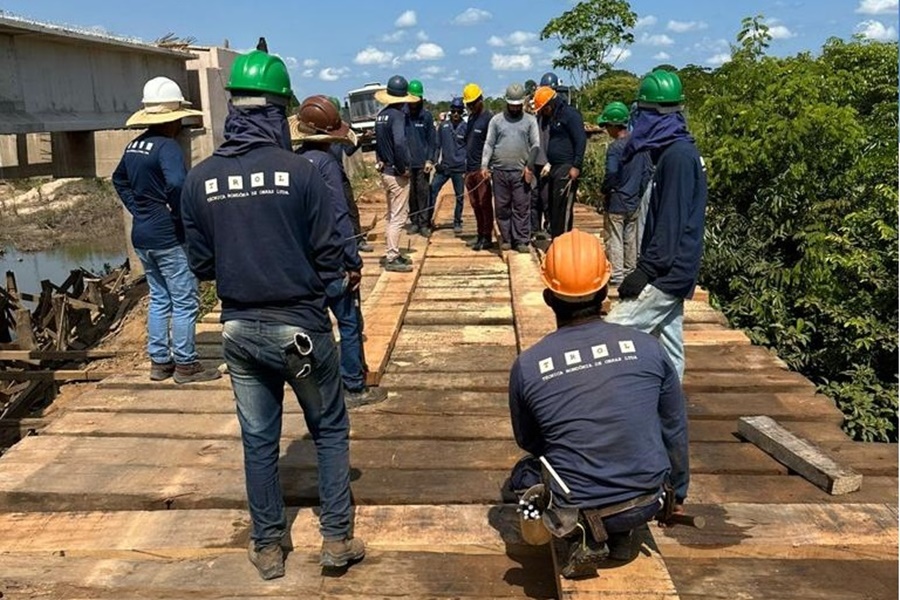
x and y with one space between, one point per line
801 244
592 36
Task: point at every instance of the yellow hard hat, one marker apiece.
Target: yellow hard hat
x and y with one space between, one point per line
471 93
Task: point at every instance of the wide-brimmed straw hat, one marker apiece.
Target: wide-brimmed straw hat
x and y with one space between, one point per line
165 112
396 92
301 133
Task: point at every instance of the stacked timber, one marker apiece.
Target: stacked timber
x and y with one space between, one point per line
52 342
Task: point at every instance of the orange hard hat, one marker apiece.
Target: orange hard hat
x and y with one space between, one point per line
575 266
542 96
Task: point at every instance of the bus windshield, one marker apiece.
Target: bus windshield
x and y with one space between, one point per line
363 106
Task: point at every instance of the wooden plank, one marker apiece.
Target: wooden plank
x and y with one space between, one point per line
783 489
59 375
56 355
450 358
421 336
799 455
785 532
761 579
114 486
229 575
494 316
787 406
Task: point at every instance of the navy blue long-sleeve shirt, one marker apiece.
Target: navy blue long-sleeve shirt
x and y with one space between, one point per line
567 139
421 138
624 182
261 224
476 134
673 235
450 150
333 175
391 145
148 180
604 405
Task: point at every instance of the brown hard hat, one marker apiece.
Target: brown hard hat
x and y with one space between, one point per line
318 115
575 266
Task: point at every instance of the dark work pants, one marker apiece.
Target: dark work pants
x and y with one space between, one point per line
562 200
479 189
512 203
540 186
420 207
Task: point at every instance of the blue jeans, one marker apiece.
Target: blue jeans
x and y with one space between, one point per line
347 315
657 313
440 178
173 295
257 364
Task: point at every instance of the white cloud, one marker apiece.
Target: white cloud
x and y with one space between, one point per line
780 32
426 51
309 73
407 19
433 69
291 62
495 41
648 21
471 16
373 56
517 38
659 39
876 30
511 62
719 59
529 49
332 74
422 36
877 7
469 51
617 54
661 56
393 38
685 26
310 62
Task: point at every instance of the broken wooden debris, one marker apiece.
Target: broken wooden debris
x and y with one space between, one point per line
799 455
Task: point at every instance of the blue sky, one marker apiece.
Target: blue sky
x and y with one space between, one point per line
338 46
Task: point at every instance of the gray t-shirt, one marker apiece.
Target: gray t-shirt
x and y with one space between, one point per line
510 142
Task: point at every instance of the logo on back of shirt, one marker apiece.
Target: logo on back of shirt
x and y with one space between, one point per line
574 359
139 147
236 190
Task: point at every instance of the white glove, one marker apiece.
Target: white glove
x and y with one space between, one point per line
429 167
351 135
545 171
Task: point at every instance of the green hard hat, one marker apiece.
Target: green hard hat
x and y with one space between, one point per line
615 113
336 102
415 88
261 73
661 87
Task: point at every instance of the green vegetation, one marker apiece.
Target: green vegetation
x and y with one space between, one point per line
801 237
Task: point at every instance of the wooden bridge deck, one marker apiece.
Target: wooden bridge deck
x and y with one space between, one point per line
136 489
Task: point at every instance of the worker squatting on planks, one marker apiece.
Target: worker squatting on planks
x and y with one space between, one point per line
602 407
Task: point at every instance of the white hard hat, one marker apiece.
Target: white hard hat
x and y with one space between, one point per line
162 89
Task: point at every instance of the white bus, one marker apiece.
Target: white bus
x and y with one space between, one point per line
362 108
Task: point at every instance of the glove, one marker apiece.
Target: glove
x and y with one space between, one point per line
545 171
351 135
440 169
429 167
633 284
353 279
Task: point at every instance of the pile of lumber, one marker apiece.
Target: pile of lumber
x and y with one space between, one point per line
52 342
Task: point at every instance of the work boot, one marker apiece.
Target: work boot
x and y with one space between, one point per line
523 248
340 553
457 228
624 547
583 557
161 371
195 373
268 560
479 244
367 395
505 246
412 229
365 246
398 265
425 232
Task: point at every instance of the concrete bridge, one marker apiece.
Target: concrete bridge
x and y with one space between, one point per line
65 95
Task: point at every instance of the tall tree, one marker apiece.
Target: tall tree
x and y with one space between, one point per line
593 36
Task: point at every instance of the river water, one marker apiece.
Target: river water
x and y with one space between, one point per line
55 264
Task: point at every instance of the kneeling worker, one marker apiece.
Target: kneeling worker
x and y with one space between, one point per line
603 405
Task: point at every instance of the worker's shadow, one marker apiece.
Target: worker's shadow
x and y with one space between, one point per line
534 573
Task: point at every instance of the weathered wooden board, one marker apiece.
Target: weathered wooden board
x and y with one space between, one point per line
422 336
800 455
490 316
450 359
788 406
782 489
761 579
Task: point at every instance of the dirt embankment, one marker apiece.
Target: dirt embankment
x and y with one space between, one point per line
40 214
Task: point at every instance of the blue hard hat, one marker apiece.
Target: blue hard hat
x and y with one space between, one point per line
549 79
457 104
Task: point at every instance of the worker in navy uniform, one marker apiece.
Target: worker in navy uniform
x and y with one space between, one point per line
258 219
603 405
